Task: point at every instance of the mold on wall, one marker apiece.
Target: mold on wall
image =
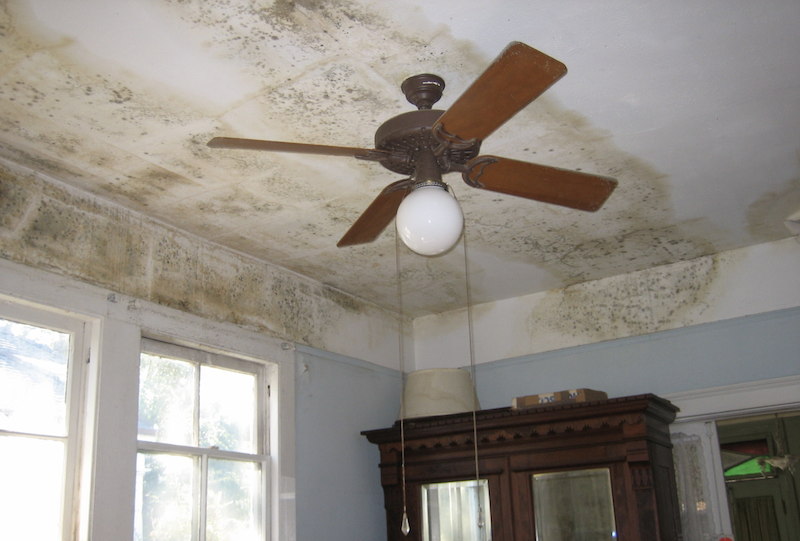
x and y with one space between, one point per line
120 98
48 225
133 128
707 289
628 305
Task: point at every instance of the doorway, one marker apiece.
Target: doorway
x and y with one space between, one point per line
759 460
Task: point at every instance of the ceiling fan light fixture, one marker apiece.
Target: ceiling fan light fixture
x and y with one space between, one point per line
427 143
429 220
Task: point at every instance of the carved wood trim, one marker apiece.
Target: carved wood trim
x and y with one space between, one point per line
642 478
530 432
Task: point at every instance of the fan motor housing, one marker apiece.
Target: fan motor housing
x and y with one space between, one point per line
408 133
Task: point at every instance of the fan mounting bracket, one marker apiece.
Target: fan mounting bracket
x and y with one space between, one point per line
423 90
406 135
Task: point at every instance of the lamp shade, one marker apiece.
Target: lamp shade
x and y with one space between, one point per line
429 220
438 391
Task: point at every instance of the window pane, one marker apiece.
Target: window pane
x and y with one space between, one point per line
456 511
227 410
234 500
166 400
30 502
163 498
33 377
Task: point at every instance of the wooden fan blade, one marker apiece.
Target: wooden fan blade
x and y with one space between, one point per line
280 146
563 187
377 216
512 81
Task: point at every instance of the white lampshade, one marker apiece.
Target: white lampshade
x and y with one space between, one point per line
438 391
429 220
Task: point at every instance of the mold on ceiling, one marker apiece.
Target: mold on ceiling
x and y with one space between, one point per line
692 108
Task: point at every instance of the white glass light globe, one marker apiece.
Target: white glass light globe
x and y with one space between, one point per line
429 220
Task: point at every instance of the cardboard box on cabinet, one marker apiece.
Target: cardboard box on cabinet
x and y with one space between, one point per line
559 397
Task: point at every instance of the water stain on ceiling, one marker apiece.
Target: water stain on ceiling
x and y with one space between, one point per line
119 99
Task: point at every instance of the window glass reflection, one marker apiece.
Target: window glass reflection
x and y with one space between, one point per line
456 511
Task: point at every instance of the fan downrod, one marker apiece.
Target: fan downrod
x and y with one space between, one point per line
423 90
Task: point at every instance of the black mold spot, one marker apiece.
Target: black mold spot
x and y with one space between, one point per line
630 305
122 95
346 301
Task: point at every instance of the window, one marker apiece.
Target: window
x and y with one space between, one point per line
746 459
40 414
203 460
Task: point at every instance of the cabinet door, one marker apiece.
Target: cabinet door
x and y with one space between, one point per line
419 476
560 507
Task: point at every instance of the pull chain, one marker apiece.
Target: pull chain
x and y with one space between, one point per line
470 330
404 527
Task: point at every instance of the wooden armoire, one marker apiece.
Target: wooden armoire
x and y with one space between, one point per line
626 440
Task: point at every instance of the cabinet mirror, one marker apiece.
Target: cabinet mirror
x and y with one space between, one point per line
574 506
456 511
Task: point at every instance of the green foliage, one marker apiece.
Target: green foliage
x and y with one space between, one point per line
166 399
167 499
167 410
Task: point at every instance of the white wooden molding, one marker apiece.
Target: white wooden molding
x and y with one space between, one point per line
739 400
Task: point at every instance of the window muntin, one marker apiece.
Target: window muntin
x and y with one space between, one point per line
202 469
40 408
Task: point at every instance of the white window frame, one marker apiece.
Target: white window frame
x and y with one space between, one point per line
115 324
79 354
202 455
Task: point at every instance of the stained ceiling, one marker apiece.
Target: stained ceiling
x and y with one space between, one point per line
693 106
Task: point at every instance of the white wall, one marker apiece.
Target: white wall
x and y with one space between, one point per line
753 280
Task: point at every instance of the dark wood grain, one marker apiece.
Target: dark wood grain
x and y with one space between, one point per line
301 148
378 215
515 78
628 435
572 189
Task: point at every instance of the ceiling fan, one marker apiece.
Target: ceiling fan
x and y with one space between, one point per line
427 143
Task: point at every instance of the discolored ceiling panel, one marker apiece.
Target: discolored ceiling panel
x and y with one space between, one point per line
692 108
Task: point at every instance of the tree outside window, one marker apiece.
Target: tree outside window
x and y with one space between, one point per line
202 469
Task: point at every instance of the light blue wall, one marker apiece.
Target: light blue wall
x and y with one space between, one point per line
339 497
339 494
734 351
